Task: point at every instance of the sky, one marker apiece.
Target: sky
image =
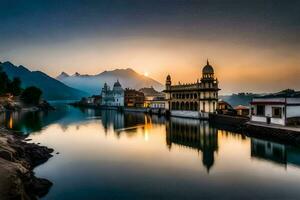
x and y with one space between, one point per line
254 46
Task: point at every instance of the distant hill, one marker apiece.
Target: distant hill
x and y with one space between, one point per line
92 84
52 88
246 98
239 99
151 92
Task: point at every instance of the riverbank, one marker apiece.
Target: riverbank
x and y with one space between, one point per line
17 161
283 134
43 106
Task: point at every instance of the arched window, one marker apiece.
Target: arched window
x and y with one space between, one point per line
192 106
182 106
187 106
196 106
177 105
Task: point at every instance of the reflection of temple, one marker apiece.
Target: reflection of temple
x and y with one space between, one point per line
275 152
112 118
126 122
194 134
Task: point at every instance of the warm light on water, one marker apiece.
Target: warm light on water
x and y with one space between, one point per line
105 154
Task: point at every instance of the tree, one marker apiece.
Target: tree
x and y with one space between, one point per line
4 81
31 95
15 86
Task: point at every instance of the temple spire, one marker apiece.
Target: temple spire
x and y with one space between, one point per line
207 62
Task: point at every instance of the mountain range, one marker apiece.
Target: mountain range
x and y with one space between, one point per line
239 99
52 88
92 84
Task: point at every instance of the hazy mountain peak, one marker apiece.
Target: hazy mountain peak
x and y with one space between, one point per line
76 74
127 77
62 76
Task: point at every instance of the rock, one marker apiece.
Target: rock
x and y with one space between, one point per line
6 155
17 160
36 186
45 106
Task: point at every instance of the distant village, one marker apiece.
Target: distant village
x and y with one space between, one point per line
198 100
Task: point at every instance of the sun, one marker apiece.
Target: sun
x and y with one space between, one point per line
146 74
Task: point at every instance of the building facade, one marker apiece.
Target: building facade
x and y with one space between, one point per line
134 98
157 103
153 98
242 110
114 97
281 108
193 100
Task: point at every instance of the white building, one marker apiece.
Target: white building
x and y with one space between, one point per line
114 97
157 102
193 100
281 108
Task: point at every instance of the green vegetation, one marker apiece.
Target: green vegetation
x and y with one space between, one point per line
31 95
7 86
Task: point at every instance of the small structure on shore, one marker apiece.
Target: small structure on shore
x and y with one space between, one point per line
133 98
242 110
282 108
7 97
153 98
193 100
114 97
225 108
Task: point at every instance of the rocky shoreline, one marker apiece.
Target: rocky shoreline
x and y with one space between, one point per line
17 160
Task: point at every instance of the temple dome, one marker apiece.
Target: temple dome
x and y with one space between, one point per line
117 84
208 69
168 77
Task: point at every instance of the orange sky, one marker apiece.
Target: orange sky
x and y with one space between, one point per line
239 66
253 45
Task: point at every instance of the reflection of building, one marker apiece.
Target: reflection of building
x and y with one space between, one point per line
112 119
193 100
268 150
275 152
119 122
194 134
114 97
280 108
133 98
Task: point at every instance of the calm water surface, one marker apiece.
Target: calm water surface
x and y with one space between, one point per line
109 155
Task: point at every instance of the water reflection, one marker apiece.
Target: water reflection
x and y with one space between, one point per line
275 152
25 122
188 133
135 155
194 134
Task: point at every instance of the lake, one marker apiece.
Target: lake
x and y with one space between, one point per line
112 155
